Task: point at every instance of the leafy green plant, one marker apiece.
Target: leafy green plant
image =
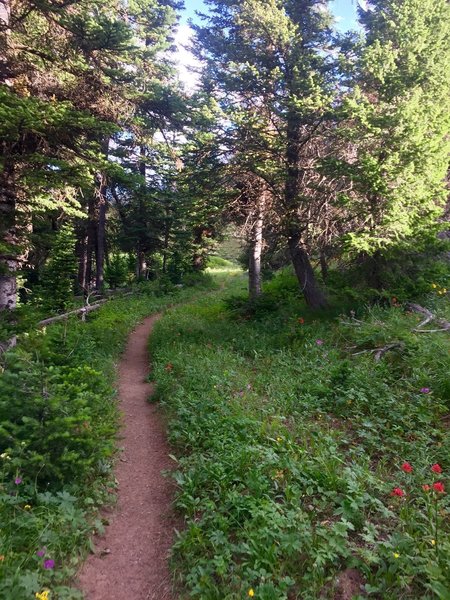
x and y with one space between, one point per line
291 441
58 424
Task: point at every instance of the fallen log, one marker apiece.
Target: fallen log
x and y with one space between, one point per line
379 352
83 311
429 317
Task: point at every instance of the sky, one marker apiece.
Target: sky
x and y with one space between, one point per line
344 11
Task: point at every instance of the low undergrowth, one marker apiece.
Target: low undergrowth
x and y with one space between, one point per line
307 469
58 424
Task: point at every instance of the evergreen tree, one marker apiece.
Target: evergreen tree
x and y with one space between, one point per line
267 62
58 276
396 128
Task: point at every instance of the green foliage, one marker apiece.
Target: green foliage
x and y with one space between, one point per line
218 262
290 439
405 275
57 283
397 121
117 271
58 427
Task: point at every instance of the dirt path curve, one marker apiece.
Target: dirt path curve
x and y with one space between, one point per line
131 558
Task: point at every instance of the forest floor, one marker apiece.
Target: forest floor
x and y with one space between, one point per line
306 466
130 560
312 449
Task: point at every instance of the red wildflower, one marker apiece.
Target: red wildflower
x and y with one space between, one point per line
426 487
407 467
436 468
301 320
397 492
438 487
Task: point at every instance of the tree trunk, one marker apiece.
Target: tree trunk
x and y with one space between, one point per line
141 265
8 240
256 246
100 245
81 251
292 196
102 206
5 16
198 258
91 242
375 271
313 294
323 266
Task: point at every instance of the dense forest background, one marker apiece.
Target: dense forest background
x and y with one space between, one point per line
324 150
286 214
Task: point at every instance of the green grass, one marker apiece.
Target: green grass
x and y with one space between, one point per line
58 425
290 439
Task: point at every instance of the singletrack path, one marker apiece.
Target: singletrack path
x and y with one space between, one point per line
130 561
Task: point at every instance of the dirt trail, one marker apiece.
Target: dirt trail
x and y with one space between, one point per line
131 558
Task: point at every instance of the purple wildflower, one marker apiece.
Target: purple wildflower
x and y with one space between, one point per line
425 390
18 480
49 563
41 552
319 342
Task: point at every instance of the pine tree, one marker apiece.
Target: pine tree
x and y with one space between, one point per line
58 276
396 127
268 64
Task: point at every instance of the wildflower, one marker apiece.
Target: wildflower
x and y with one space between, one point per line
438 487
425 390
27 507
433 542
319 342
44 595
279 439
41 552
436 468
49 563
18 480
169 367
396 555
251 592
5 456
426 487
301 320
434 286
444 290
407 467
2 557
397 492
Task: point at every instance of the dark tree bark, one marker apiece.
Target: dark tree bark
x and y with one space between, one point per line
323 266
199 257
375 271
256 247
302 265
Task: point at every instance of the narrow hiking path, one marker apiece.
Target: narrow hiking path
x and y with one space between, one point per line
131 558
